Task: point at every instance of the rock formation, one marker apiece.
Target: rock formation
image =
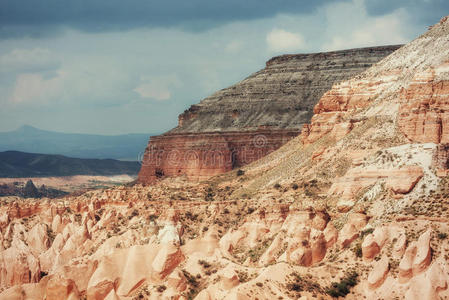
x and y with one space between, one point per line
355 207
244 122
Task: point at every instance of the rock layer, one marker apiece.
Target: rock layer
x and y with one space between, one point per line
241 123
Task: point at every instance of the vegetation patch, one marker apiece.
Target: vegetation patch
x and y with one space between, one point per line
343 288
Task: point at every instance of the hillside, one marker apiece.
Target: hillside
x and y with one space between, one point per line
34 140
356 207
20 164
246 121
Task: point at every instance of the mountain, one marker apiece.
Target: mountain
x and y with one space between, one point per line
244 122
356 207
20 164
31 139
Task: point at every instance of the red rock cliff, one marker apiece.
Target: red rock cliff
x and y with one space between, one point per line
240 124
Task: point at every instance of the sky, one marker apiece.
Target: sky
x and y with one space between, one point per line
116 67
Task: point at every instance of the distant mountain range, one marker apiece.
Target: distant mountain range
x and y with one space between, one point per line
34 140
20 164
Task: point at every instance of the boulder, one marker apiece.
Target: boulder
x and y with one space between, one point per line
406 265
423 253
370 248
229 278
59 287
406 180
378 274
166 260
347 235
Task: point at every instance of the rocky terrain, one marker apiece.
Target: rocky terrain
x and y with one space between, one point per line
31 139
240 124
29 190
22 164
355 207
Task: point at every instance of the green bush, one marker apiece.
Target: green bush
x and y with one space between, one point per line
342 288
442 235
358 249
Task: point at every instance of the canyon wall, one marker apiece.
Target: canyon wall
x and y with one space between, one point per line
239 124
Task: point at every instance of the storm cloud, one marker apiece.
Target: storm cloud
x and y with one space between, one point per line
25 17
111 67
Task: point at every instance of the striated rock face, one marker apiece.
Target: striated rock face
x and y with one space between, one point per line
239 124
281 95
399 181
357 210
424 110
199 156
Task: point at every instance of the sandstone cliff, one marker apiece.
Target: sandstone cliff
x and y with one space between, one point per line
356 207
244 122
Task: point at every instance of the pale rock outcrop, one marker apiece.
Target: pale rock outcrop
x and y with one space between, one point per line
320 221
206 245
203 295
378 274
270 255
406 265
416 258
370 248
347 235
423 253
429 285
37 239
168 257
318 246
177 281
61 288
57 225
400 246
228 278
171 230
300 256
18 265
330 235
400 181
403 184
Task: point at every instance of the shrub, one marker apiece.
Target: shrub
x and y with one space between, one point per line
442 235
277 186
152 217
295 186
240 172
366 232
210 194
342 288
161 288
294 286
358 250
204 263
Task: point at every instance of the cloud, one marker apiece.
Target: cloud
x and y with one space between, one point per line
19 17
28 60
424 12
350 25
157 88
280 40
233 46
102 73
153 91
31 87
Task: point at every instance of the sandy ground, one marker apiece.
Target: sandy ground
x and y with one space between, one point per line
73 183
